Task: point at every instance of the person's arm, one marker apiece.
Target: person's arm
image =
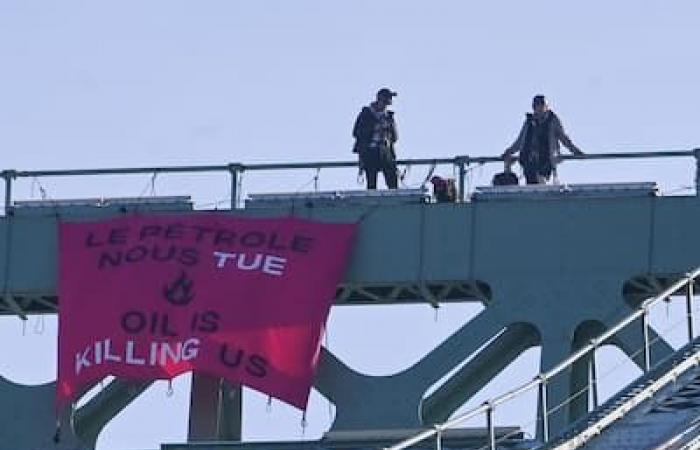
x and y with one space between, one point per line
393 134
394 129
359 131
510 151
359 124
560 134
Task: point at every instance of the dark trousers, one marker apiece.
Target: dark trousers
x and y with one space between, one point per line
537 165
532 177
390 178
375 160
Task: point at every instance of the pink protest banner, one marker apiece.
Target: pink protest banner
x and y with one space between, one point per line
150 297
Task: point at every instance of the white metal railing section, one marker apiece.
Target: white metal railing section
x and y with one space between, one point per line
619 409
540 381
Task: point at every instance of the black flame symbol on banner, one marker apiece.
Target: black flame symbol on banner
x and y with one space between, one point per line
179 292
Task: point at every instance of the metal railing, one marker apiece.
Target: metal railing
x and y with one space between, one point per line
541 380
461 163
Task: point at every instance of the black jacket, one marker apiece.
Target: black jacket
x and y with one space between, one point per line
364 129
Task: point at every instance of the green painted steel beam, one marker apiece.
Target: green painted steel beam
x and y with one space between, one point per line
439 244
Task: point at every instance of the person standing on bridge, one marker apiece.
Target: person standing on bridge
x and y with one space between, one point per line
375 136
538 143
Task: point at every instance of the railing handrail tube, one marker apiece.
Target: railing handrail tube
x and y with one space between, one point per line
418 438
543 377
459 159
440 427
516 392
119 171
466 416
633 155
226 167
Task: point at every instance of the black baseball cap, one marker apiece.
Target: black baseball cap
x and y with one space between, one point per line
386 92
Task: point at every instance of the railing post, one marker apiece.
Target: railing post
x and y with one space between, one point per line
462 161
593 376
233 170
490 426
543 402
696 153
689 293
645 333
8 175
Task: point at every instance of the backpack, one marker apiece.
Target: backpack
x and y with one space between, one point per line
505 179
444 189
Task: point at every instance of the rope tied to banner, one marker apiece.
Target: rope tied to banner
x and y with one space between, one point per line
170 391
313 181
404 173
36 185
150 187
59 423
57 432
429 175
316 177
39 325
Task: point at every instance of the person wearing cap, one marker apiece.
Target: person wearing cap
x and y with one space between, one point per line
538 144
375 136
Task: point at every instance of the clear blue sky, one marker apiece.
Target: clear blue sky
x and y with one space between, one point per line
133 83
